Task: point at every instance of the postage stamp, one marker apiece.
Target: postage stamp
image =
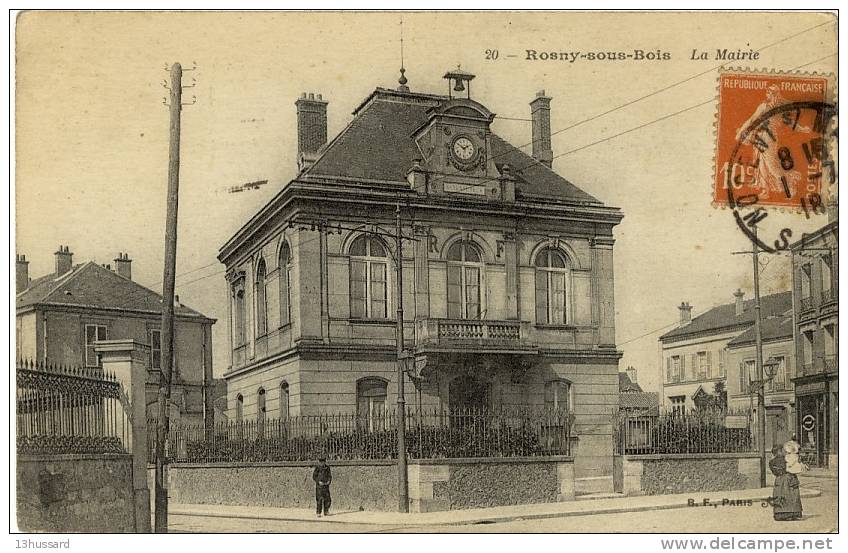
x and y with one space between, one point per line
771 148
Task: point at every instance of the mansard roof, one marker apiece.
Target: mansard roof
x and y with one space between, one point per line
378 145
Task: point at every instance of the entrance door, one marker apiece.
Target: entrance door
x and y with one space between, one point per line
811 429
468 393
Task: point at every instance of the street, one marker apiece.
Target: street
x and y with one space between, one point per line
820 515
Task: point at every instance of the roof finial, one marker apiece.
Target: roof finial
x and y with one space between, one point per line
402 80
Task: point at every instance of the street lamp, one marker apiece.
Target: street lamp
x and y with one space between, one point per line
769 368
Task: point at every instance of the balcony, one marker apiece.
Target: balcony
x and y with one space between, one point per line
459 334
830 364
806 305
829 296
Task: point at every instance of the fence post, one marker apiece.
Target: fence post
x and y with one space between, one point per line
127 360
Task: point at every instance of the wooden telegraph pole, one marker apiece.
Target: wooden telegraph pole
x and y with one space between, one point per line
761 390
161 490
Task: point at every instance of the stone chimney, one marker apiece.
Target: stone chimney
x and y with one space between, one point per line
311 128
685 313
540 113
631 374
21 273
64 260
740 301
123 265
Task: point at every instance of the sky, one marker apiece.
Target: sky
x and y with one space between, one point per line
92 132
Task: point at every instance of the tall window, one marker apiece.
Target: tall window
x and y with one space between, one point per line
93 333
261 408
558 395
284 399
678 405
239 408
704 360
156 349
747 369
806 280
826 273
778 381
368 279
807 341
285 284
371 402
722 362
261 300
551 287
239 314
464 268
676 368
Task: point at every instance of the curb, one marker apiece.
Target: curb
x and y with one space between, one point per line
805 492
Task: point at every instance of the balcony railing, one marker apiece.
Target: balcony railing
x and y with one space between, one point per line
458 332
830 363
806 304
829 296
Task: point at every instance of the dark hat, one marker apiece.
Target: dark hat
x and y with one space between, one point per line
777 450
322 459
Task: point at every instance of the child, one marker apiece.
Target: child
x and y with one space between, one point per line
793 460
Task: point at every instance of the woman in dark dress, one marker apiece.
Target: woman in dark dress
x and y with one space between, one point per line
787 493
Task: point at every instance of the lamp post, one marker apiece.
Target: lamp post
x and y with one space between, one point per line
759 385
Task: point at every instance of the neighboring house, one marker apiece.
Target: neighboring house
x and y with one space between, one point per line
779 352
60 317
693 356
632 399
507 286
815 270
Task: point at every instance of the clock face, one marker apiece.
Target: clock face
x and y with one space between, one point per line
463 148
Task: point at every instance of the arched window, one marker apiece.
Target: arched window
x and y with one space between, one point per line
284 399
464 269
239 408
261 408
551 287
261 300
239 316
368 279
371 402
285 283
558 395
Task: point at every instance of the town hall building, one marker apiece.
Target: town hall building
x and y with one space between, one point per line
507 273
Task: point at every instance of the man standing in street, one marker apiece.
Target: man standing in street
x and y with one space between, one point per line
322 477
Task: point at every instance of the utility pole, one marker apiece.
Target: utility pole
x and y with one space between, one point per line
761 400
403 491
167 335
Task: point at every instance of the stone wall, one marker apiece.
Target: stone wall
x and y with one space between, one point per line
670 474
361 485
435 485
448 484
75 493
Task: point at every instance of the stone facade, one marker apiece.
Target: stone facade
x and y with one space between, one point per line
444 484
75 493
671 474
815 285
528 303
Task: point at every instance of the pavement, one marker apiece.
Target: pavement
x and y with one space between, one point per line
582 507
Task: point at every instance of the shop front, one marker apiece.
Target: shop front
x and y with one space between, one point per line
816 400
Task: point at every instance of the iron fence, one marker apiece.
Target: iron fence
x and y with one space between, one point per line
429 434
698 431
64 409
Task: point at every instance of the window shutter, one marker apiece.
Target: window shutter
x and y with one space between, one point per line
693 369
358 286
541 297
454 292
668 375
